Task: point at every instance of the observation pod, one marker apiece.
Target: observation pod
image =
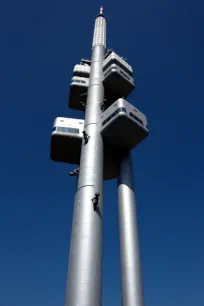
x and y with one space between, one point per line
123 125
118 81
79 85
66 140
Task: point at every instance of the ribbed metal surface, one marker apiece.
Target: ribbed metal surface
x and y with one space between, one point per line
99 32
131 279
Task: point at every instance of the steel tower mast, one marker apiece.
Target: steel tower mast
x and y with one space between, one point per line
84 284
101 146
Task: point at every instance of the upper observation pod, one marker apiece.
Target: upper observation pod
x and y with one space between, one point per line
123 125
118 81
66 141
99 37
83 69
79 85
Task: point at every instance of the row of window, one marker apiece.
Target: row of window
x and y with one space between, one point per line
65 130
124 75
105 74
119 110
119 62
136 118
78 81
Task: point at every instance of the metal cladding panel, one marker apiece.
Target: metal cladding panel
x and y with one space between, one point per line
117 83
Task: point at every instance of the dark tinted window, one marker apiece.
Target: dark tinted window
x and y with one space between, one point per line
122 109
107 72
66 130
119 110
136 118
125 75
58 129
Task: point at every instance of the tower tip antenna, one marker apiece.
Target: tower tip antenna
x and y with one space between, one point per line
101 10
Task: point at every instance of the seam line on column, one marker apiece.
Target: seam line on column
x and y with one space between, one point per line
95 84
85 186
89 124
97 61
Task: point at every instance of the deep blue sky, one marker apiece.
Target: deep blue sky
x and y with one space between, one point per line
40 42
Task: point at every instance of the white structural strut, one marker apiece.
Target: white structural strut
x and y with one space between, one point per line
131 279
84 283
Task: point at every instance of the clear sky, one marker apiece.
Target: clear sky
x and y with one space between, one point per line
41 41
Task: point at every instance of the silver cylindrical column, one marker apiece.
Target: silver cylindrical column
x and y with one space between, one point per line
131 278
84 282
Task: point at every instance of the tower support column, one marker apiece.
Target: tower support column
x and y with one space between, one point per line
84 281
130 265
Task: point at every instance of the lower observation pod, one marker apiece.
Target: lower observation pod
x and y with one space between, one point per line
66 141
123 125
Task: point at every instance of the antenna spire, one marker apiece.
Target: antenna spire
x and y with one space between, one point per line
101 10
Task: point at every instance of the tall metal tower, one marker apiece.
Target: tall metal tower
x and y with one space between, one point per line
100 145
